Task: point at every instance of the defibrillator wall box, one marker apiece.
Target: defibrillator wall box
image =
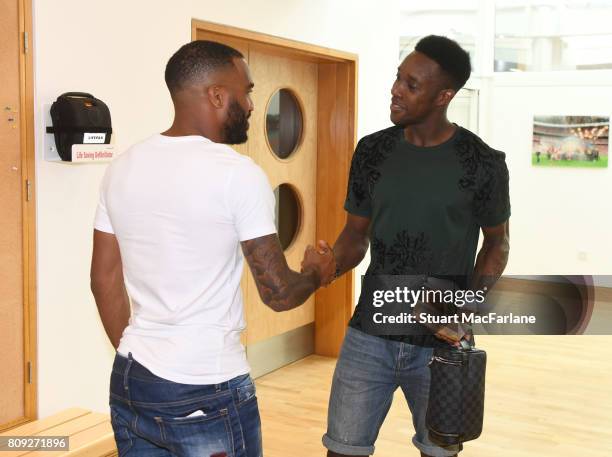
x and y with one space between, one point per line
79 118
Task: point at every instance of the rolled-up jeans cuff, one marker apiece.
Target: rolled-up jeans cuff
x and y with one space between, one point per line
346 449
437 451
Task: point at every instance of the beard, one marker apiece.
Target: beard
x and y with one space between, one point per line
237 124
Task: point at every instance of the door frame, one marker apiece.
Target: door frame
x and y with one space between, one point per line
336 139
26 119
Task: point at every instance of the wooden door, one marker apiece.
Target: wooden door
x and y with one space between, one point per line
16 400
275 339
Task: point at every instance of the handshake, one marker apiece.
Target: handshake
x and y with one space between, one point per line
321 260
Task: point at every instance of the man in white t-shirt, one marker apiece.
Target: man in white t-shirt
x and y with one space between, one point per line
174 212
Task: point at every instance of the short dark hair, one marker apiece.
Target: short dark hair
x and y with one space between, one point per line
452 58
196 59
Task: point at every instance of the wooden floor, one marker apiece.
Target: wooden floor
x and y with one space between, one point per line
546 396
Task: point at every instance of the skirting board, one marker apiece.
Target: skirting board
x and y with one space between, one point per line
280 350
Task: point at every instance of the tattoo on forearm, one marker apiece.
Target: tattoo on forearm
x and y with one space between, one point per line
279 287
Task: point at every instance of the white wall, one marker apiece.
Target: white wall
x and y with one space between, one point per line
117 50
561 217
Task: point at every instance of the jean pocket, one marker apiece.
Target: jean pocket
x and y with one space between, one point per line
198 434
246 392
123 436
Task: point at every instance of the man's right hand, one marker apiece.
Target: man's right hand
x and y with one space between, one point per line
448 335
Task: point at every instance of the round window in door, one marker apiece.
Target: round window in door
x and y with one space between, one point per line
284 123
288 214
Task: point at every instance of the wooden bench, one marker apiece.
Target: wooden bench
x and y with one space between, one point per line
90 434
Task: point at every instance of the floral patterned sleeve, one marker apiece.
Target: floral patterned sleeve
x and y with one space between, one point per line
358 200
492 198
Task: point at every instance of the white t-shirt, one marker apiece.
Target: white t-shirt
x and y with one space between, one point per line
179 207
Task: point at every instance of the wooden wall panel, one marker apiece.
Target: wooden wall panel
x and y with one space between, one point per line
336 142
12 389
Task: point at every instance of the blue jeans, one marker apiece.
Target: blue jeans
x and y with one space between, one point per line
368 372
155 417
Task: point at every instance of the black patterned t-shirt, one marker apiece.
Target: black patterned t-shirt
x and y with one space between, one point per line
426 204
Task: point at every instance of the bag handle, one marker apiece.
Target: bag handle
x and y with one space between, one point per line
467 343
77 94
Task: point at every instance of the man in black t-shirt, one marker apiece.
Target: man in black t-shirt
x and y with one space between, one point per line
419 194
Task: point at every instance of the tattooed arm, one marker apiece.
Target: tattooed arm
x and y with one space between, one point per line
490 263
492 257
280 287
